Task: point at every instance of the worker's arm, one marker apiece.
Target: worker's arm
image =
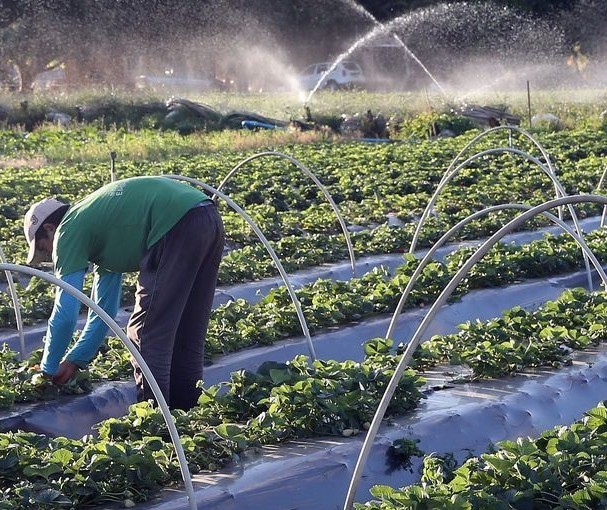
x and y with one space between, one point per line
61 324
106 293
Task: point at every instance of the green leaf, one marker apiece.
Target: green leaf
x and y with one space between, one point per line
63 456
377 346
232 432
10 460
115 450
382 491
279 376
51 496
500 465
43 471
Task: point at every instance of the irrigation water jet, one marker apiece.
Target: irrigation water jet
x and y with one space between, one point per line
380 29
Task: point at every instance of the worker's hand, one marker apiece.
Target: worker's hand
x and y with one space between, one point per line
66 371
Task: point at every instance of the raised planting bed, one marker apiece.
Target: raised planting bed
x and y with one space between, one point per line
452 421
461 421
564 467
338 344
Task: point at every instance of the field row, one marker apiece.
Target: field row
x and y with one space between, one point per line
287 401
381 190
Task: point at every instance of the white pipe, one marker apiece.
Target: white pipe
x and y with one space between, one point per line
312 176
440 301
262 238
557 184
598 188
84 299
16 305
450 169
428 256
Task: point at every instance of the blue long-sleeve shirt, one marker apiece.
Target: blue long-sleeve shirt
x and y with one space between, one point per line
62 323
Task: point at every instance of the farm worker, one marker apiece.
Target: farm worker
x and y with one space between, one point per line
173 235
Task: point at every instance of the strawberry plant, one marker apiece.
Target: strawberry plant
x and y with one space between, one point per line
521 339
131 458
564 468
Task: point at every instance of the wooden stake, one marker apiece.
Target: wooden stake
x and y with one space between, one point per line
529 102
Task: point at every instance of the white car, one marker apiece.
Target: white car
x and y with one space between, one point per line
347 74
168 81
52 79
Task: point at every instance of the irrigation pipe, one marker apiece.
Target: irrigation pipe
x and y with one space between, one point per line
560 192
117 330
112 166
598 188
262 238
429 317
428 256
510 129
13 293
449 174
450 169
311 175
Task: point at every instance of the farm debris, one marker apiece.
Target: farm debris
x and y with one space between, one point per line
489 115
186 114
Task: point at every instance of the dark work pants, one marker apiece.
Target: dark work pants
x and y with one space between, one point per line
175 291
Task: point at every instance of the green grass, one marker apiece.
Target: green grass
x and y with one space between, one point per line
128 122
289 105
148 144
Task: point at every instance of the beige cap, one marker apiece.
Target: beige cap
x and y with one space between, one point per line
34 218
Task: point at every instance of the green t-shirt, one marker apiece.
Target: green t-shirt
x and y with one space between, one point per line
114 226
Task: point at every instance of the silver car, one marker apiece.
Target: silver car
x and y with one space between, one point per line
345 74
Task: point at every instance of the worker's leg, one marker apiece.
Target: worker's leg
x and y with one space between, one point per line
167 272
188 354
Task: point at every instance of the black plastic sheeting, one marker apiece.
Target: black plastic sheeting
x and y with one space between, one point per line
463 420
70 416
312 475
74 417
254 291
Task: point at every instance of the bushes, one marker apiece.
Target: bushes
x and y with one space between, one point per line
432 124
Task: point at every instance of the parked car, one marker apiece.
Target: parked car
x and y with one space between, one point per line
347 74
51 79
10 77
172 82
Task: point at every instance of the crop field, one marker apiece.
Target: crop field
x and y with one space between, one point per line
275 392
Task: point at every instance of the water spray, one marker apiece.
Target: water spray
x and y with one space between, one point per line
378 30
